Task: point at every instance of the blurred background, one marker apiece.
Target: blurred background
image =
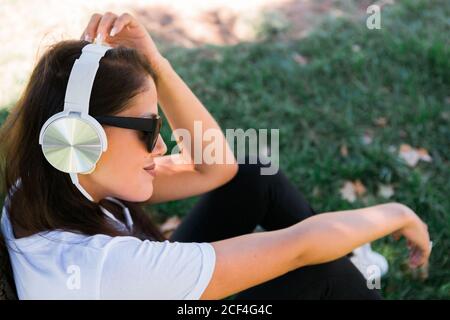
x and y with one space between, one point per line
364 115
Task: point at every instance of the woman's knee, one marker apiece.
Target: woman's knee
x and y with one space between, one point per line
255 171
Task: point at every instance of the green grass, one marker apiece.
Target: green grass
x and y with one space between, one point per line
401 72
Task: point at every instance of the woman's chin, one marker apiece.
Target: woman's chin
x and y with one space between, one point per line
141 195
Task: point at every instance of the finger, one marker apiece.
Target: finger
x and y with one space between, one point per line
120 23
89 32
422 259
418 257
414 258
427 254
105 25
425 251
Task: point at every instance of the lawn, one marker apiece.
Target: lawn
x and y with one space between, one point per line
329 91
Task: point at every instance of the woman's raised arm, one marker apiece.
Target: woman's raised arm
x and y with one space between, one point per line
186 115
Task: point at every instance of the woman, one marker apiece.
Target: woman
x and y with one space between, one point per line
64 246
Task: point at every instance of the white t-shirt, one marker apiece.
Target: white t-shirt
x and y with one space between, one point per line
66 265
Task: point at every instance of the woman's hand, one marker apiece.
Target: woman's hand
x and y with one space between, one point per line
123 30
418 239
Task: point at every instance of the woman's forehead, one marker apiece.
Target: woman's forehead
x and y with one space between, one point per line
143 104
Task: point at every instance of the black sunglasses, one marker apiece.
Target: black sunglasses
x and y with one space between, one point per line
149 127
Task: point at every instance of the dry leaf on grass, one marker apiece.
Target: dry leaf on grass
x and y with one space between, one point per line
356 48
424 156
360 189
344 150
351 190
412 155
316 192
348 192
367 138
385 190
381 122
301 60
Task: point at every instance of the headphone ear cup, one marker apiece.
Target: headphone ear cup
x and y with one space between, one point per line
90 171
72 144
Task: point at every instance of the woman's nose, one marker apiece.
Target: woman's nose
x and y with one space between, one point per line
160 147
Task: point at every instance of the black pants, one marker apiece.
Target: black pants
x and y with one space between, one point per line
271 201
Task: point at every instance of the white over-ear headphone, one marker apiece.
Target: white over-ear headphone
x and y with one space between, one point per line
72 141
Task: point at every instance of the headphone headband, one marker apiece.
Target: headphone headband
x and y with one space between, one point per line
82 77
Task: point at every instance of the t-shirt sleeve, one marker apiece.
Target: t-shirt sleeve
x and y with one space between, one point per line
136 269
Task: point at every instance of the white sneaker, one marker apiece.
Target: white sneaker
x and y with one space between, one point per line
364 259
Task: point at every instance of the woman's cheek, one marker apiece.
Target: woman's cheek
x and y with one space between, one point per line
140 188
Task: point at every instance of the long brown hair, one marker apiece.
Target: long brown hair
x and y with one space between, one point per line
47 199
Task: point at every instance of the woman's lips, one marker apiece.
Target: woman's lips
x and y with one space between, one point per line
151 170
